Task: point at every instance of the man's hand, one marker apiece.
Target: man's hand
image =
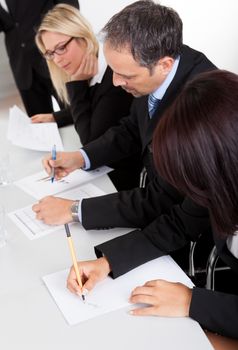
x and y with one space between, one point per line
53 210
65 163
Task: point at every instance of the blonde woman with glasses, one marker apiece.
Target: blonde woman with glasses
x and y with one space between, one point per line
83 82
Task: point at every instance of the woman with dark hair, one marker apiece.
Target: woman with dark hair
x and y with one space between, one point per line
195 149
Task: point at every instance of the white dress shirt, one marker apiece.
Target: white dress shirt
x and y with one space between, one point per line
4 5
102 66
232 244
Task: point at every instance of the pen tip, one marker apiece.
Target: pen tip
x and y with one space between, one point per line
83 297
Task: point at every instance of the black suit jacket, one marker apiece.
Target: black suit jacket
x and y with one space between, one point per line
94 109
19 26
135 132
166 220
214 310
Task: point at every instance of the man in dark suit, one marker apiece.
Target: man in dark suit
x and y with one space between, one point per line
143 46
18 20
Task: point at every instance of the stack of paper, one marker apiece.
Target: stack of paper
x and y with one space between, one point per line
40 136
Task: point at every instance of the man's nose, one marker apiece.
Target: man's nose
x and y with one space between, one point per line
118 80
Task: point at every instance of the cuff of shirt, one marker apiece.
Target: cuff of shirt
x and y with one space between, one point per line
80 210
86 160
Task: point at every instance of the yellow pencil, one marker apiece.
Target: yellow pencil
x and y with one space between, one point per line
73 255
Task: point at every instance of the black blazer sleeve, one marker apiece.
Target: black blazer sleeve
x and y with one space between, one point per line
166 223
215 311
63 117
117 143
94 109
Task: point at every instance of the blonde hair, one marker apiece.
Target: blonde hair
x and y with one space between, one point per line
65 19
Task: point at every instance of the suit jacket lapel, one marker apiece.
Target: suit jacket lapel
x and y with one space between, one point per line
185 67
6 20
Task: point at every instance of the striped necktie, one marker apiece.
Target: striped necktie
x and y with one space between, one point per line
152 104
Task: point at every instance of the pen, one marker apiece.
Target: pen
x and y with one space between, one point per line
53 156
72 252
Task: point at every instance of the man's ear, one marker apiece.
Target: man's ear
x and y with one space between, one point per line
166 64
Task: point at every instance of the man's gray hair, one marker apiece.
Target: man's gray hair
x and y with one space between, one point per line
150 31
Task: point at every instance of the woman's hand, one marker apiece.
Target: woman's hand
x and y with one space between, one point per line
87 69
43 118
163 299
91 272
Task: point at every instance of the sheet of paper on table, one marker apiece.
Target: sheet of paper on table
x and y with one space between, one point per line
26 221
110 295
39 185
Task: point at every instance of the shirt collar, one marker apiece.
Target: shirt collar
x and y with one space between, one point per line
232 244
4 5
159 93
102 66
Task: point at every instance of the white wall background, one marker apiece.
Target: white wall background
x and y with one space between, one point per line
210 26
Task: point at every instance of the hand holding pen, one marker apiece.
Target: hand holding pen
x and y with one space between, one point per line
92 272
53 156
65 163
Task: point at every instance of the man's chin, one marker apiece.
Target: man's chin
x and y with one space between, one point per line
133 92
136 94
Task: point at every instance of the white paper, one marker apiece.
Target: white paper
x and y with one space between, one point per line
40 136
110 295
39 185
26 220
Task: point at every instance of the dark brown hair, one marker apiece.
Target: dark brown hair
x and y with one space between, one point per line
195 146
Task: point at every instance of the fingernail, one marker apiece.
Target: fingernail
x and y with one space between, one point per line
84 292
131 312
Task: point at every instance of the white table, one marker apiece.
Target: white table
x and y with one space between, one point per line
29 318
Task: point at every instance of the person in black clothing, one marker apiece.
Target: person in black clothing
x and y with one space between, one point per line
142 63
18 21
84 83
195 148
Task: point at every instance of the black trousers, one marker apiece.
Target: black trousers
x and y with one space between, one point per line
38 98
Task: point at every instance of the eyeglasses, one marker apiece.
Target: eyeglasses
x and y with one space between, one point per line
60 50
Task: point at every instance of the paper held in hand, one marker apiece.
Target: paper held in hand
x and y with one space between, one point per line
40 136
